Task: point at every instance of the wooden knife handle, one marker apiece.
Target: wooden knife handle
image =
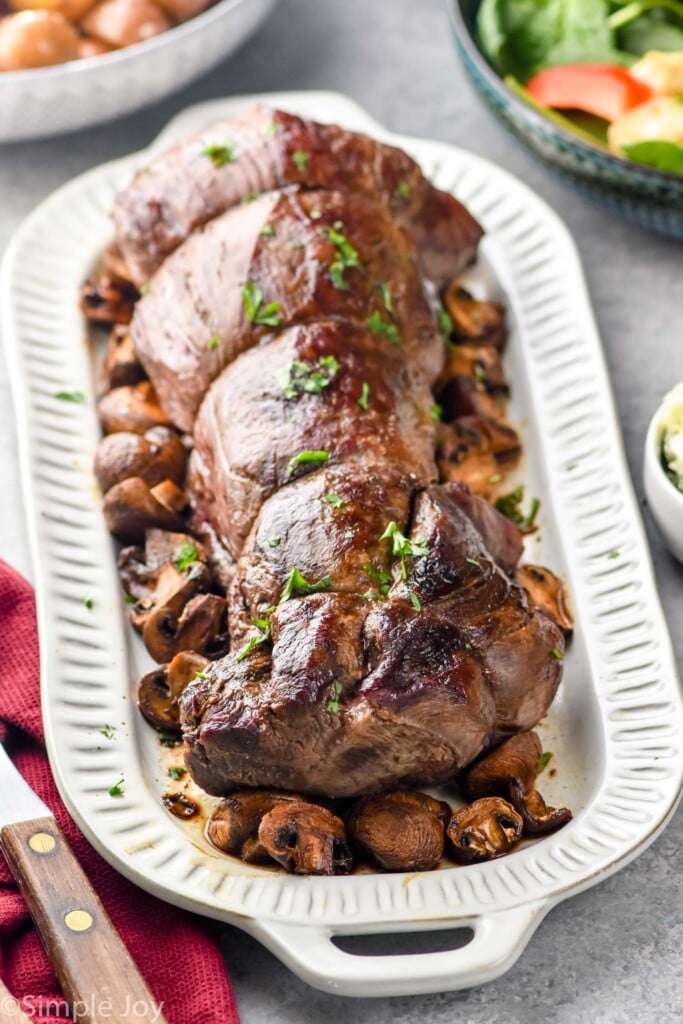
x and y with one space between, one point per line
10 1008
95 970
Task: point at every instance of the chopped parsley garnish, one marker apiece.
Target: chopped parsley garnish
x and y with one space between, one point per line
334 500
200 675
300 376
270 129
509 505
176 772
267 230
168 738
385 292
145 288
256 312
479 374
402 546
364 396
557 653
543 761
415 601
349 534
70 396
273 542
333 704
383 579
378 325
130 599
473 561
117 788
305 457
300 158
297 586
88 603
495 478
468 645
213 343
403 189
436 412
346 257
445 321
262 635
613 554
220 155
186 556
108 731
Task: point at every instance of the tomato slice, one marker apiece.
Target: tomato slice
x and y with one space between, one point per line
605 90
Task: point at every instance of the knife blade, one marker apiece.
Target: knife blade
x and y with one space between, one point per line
96 972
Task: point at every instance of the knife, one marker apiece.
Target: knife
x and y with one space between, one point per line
97 974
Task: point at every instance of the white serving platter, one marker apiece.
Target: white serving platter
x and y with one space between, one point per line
615 729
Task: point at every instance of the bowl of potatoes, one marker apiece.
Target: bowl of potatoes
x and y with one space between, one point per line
68 64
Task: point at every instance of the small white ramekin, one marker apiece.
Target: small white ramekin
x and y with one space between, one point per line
664 498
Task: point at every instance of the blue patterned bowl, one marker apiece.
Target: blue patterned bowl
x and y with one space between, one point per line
644 195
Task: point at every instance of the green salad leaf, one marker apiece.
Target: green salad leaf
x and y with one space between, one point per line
666 156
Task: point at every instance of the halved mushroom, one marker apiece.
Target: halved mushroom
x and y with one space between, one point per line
472 381
180 805
131 507
305 839
510 771
160 690
157 455
475 321
199 624
402 831
544 590
133 407
154 574
483 830
108 300
233 826
121 365
476 450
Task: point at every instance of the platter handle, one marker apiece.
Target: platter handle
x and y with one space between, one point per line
497 941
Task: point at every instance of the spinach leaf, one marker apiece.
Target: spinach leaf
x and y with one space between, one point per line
667 156
651 31
521 37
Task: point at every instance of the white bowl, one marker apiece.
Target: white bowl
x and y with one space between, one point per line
63 98
664 499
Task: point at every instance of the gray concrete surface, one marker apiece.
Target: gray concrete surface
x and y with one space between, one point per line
615 954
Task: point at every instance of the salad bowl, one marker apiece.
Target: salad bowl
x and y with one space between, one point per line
643 195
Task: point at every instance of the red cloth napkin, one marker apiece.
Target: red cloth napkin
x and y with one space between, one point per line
174 950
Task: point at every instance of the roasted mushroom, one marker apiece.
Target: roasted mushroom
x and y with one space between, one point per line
476 450
154 574
546 591
483 830
160 690
121 365
479 322
510 771
133 407
108 300
402 831
472 382
233 826
157 455
199 624
132 507
305 839
180 805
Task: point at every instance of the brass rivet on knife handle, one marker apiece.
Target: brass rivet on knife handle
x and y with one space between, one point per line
95 970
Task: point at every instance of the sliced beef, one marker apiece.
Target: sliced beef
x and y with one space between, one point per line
294 254
265 149
368 405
